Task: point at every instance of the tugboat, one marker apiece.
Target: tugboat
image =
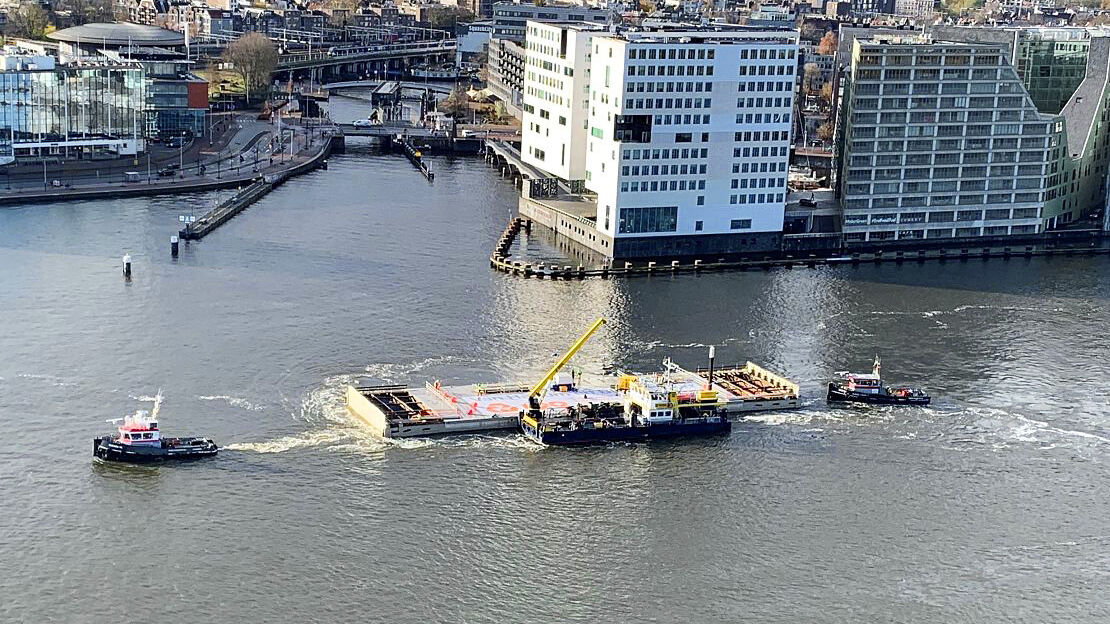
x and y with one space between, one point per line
139 440
652 407
864 388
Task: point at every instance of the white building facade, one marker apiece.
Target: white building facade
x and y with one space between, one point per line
688 136
556 97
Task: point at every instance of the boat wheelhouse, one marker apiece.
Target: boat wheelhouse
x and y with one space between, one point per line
868 388
139 440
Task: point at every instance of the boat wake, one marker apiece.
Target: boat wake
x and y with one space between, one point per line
398 372
1006 428
233 401
290 442
53 380
330 427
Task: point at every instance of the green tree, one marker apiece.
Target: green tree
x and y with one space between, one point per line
254 57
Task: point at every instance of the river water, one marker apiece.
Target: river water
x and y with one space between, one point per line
989 506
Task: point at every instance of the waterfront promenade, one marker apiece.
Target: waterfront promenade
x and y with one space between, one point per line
243 150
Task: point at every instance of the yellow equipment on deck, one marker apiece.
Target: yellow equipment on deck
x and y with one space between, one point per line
536 394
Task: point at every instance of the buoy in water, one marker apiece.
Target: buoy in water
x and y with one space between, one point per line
127 265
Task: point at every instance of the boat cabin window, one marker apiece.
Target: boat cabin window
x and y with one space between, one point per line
146 436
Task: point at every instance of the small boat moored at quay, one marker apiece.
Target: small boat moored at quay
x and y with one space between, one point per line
138 440
868 388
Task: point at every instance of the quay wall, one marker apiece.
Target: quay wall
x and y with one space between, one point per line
565 224
123 190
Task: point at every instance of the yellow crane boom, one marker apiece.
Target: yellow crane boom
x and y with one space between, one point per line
538 390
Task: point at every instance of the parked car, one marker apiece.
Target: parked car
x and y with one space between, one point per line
167 172
362 123
56 183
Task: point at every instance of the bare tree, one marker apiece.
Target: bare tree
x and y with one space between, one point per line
825 131
29 20
86 11
811 73
827 92
254 58
457 103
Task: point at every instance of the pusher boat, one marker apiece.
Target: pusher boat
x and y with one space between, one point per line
868 388
651 407
138 440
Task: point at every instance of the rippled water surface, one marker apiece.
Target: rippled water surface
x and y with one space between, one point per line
989 506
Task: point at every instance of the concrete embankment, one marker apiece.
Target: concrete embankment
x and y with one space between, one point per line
257 189
124 190
501 259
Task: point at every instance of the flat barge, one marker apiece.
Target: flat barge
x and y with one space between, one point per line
397 411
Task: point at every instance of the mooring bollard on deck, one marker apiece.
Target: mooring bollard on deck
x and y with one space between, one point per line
127 265
173 246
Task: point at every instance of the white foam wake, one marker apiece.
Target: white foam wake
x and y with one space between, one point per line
233 401
291 442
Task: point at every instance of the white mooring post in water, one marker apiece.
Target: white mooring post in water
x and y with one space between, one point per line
127 265
173 246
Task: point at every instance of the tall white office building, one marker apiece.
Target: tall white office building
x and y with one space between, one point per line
556 97
689 138
686 133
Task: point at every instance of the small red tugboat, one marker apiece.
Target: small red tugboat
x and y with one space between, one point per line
864 388
139 441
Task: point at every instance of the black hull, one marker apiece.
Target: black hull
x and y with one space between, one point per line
565 437
838 394
184 449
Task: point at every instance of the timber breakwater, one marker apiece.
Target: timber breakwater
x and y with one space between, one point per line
257 189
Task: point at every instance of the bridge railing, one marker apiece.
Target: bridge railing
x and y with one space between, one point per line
384 49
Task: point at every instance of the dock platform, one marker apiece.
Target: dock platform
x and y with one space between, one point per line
396 411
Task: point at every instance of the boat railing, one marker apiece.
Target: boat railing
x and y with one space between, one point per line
458 408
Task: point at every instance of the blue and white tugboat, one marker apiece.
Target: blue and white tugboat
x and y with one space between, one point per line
864 388
138 440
